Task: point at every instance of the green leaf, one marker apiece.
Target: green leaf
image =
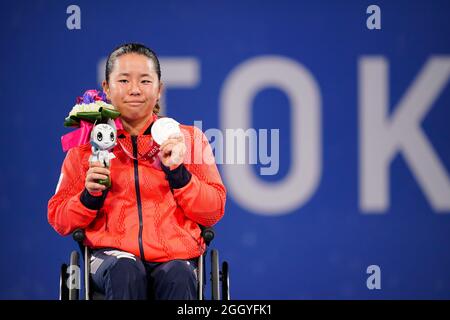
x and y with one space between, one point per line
109 113
71 122
92 116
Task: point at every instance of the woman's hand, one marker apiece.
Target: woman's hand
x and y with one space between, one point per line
96 172
172 151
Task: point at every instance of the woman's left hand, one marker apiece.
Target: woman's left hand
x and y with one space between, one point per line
172 151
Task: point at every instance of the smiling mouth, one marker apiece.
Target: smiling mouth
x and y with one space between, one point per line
134 103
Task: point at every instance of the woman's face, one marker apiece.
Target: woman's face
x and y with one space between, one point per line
133 87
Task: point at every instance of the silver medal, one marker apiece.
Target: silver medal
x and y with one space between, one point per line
163 128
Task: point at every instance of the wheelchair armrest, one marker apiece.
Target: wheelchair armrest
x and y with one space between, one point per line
207 234
78 235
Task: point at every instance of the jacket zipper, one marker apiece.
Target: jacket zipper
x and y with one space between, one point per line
138 195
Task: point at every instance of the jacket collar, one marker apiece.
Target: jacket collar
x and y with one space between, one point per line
122 133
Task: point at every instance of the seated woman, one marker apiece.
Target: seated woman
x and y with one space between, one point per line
144 228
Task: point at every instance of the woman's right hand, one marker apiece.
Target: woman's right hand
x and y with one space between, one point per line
96 172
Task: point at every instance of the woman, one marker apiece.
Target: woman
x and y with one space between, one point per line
144 229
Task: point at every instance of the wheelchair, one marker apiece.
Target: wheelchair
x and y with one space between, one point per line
70 275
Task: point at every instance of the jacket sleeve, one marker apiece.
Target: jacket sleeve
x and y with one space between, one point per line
203 197
68 208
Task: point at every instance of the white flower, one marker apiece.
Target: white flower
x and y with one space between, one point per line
91 107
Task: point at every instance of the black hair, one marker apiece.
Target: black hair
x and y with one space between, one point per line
133 48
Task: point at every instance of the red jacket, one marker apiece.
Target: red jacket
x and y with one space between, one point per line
151 213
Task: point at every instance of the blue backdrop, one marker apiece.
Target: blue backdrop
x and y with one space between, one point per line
320 245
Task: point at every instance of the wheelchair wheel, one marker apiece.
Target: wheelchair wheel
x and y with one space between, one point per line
63 290
215 292
74 276
225 278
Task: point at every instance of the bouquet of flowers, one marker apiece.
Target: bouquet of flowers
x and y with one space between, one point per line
92 107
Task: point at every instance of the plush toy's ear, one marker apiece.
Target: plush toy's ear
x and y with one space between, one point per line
112 124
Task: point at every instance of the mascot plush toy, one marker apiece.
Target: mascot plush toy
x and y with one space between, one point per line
103 139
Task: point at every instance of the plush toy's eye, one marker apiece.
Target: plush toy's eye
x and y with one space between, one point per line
99 136
112 136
